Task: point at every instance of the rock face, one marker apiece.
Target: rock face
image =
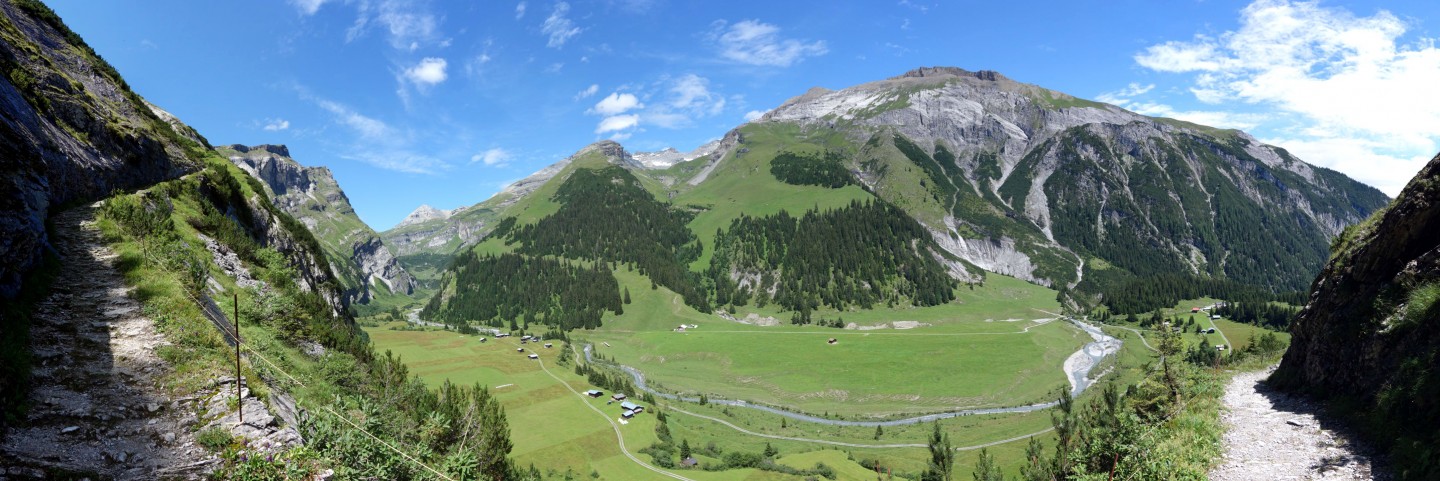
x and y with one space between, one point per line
358 256
70 131
1370 333
1035 183
668 157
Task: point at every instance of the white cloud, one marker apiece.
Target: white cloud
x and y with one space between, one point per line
276 125
558 27
307 7
693 92
753 115
493 157
409 25
372 141
520 10
617 103
756 43
687 98
1123 96
588 92
365 126
1355 94
429 71
617 123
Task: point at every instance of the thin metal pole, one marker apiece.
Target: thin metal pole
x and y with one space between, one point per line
239 402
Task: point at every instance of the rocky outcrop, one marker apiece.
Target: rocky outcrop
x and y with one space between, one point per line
1369 335
356 253
71 131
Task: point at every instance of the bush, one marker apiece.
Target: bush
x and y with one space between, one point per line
214 438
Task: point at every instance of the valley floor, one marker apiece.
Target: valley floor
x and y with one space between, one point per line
96 408
1275 436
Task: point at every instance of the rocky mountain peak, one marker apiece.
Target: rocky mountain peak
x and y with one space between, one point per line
661 159
424 213
922 72
280 150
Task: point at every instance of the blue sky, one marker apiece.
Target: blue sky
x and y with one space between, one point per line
445 102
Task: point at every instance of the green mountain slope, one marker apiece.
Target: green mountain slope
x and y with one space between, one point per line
363 264
1000 176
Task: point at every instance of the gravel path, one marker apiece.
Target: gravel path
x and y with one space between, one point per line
96 409
1276 436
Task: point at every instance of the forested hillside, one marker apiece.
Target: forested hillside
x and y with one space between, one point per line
860 255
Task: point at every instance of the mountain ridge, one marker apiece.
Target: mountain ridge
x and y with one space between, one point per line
364 265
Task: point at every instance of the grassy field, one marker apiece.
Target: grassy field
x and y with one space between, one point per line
973 352
553 428
733 187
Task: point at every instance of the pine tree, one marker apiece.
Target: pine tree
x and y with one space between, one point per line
942 457
985 468
879 432
627 294
684 449
1036 467
770 451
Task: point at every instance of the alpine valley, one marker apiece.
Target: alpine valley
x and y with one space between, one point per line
941 272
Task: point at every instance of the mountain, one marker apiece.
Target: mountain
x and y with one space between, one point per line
1107 205
661 159
422 214
360 259
1076 194
1369 337
72 131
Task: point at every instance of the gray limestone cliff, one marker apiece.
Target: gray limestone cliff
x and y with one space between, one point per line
362 262
71 131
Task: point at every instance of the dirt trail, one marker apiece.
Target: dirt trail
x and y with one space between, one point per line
1276 436
96 409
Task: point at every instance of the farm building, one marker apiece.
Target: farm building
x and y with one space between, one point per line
1217 316
503 334
689 462
832 341
534 356
618 396
482 339
629 406
1210 331
519 349
627 414
1194 309
594 393
548 345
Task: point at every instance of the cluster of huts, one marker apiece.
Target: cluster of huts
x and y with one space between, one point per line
627 409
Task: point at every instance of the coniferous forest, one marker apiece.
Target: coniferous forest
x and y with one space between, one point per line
864 254
607 216
516 291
